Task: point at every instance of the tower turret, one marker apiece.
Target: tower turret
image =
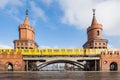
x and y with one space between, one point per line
26 35
94 35
95 30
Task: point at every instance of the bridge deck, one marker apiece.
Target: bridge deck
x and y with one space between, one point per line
59 58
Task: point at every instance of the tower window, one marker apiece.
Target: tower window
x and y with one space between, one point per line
98 33
17 43
95 43
21 43
25 43
103 43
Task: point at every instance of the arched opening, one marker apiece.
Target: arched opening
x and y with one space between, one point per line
9 66
98 33
113 66
68 65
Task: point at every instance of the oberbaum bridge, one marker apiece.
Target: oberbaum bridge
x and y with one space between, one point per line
26 56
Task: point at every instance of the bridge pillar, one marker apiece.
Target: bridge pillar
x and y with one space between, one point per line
95 65
26 62
92 65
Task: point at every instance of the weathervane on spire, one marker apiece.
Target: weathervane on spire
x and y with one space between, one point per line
26 11
93 12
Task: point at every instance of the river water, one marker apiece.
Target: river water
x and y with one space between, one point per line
59 75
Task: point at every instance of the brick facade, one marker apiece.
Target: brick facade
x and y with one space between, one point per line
109 57
16 61
26 36
94 35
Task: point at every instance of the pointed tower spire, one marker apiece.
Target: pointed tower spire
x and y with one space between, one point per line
26 21
94 21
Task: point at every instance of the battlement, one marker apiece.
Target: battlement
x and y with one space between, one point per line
22 26
10 55
110 54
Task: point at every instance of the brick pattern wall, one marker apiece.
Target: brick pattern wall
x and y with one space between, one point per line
15 59
107 58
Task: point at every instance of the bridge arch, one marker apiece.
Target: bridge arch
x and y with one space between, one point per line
79 65
113 66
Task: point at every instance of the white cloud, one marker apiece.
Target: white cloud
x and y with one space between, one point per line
78 13
108 12
10 7
13 13
47 2
37 12
4 3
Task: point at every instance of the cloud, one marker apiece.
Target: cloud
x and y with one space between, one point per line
4 3
78 13
37 12
108 13
10 7
47 2
13 13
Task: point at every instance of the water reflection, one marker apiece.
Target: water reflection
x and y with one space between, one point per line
57 75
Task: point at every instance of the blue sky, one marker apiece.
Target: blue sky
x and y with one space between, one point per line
59 23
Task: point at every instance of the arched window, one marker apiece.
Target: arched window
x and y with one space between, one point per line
113 66
98 33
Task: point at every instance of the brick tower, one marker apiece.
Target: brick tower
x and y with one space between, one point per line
94 35
26 36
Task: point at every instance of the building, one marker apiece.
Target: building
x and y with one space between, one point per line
26 36
94 35
11 60
110 61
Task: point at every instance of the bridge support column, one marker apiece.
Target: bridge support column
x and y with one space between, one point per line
95 65
26 65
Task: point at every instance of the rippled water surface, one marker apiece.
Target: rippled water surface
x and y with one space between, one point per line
59 75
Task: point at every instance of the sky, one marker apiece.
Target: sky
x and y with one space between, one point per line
59 23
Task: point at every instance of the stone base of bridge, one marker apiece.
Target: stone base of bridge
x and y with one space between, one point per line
110 61
30 65
11 62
